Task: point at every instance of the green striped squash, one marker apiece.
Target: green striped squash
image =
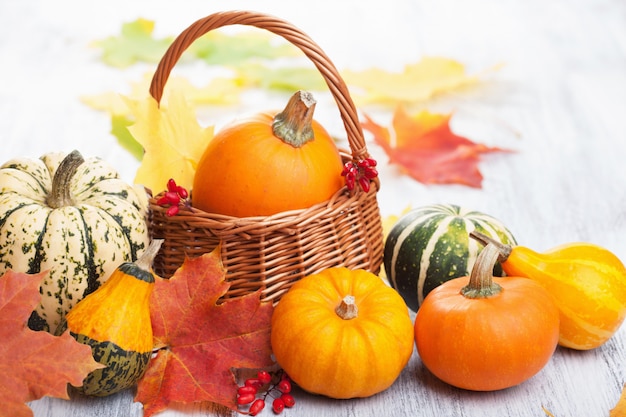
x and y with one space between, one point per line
73 217
430 245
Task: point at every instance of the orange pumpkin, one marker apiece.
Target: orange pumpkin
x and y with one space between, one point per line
269 163
486 335
342 333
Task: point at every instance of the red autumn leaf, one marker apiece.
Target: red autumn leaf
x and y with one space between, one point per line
34 364
427 149
199 341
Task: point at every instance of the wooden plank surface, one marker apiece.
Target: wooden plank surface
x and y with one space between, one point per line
559 101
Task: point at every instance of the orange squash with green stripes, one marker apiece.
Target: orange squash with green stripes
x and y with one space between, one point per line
115 321
587 282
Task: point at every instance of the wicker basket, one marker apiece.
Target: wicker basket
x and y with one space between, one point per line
270 253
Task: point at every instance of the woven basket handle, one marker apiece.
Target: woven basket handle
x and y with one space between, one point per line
292 34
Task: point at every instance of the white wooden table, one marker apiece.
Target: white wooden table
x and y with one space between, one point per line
559 101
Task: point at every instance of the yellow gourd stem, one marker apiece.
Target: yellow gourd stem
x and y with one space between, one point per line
481 283
347 309
293 124
60 194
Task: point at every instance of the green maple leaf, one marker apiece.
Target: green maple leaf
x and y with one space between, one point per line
218 48
134 44
119 129
286 79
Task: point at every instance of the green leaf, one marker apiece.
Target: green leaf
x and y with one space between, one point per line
119 129
288 79
134 44
218 48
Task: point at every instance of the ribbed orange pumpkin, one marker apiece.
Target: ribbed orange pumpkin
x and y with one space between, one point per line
342 333
269 163
483 333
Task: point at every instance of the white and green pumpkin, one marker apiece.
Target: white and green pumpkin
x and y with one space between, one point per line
431 245
73 217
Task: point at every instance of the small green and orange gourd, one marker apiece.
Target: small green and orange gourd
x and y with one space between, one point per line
115 321
269 163
587 282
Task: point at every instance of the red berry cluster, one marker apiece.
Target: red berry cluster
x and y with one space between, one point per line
361 172
255 391
174 195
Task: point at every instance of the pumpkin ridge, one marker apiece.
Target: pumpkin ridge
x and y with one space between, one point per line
134 247
10 212
24 169
90 265
34 264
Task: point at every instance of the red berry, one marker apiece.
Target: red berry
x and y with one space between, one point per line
364 183
245 398
171 185
370 172
246 389
182 191
172 197
256 407
278 405
288 400
284 386
264 377
172 211
367 162
253 382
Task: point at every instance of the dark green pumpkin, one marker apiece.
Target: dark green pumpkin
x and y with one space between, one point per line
431 245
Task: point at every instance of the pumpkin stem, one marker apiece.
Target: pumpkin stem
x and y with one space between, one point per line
347 309
61 194
505 250
481 283
145 260
294 124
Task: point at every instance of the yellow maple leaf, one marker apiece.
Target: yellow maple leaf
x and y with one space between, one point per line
219 91
418 82
172 139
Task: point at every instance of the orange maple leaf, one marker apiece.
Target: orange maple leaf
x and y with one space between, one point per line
620 408
34 364
199 341
427 149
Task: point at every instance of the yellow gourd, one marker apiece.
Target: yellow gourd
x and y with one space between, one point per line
587 282
342 333
115 321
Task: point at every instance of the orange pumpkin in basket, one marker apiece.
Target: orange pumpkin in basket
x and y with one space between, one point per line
269 163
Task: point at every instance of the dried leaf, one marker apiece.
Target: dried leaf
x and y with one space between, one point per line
427 149
34 364
418 82
172 139
199 341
